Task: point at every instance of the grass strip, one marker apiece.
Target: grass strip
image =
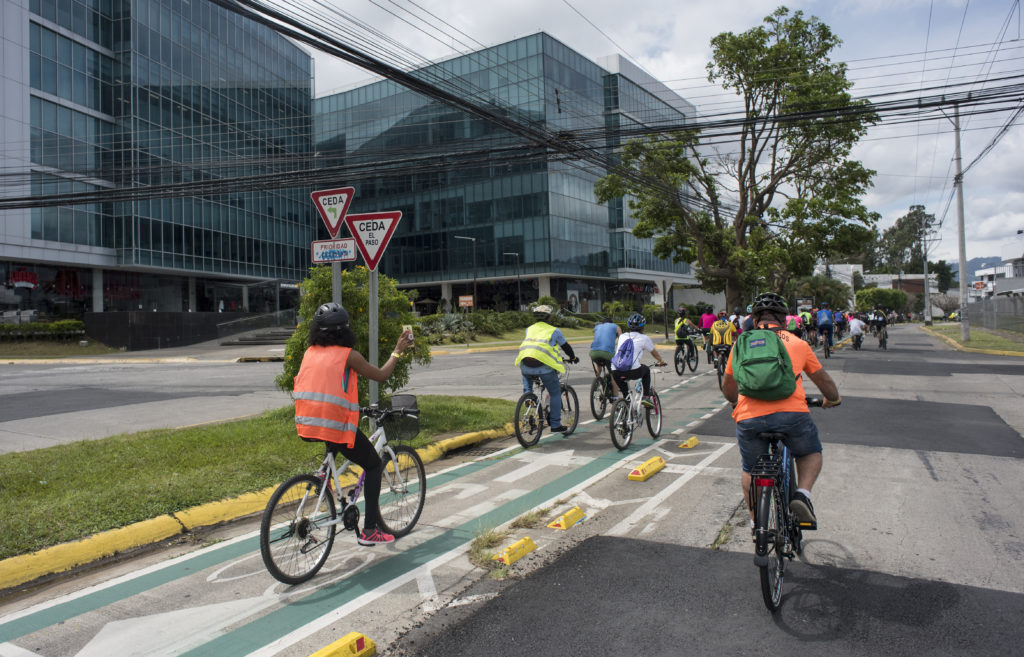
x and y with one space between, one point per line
982 338
67 492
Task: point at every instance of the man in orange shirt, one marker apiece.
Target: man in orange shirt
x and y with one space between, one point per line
790 415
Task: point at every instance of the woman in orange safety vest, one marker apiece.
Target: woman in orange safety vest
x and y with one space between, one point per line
327 402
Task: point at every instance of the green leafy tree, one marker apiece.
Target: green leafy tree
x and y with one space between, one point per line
901 246
797 193
393 312
876 297
820 289
943 275
858 281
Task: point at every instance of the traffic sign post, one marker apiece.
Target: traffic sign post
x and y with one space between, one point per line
343 250
372 232
332 204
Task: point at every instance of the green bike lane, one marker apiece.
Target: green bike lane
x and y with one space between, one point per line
289 612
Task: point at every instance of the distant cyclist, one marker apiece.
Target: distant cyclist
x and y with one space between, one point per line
707 318
641 344
723 332
603 346
538 356
682 323
790 415
857 327
826 324
327 402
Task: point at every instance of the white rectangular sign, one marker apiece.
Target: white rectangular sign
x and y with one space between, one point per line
343 250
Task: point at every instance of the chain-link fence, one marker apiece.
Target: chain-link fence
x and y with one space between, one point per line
1003 313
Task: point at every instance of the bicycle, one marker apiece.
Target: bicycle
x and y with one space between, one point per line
626 417
686 354
719 358
826 339
298 527
533 410
602 390
883 338
778 535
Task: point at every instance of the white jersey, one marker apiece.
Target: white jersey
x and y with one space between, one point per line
641 344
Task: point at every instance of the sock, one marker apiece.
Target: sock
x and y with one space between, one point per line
805 492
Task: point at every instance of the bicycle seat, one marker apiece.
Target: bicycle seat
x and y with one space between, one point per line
534 379
772 436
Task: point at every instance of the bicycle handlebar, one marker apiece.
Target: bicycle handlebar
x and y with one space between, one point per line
378 413
819 402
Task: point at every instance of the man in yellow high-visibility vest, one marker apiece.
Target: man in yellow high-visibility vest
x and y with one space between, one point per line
538 356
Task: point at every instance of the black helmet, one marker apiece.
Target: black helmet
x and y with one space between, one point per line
824 304
636 321
737 311
330 317
542 312
771 302
681 311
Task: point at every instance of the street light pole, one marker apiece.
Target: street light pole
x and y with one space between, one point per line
473 240
519 289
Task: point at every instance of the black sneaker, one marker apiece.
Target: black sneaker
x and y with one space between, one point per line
802 508
559 429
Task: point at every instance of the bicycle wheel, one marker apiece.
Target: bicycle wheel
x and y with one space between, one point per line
403 489
598 399
570 409
680 361
825 349
691 357
769 538
884 342
295 538
654 416
619 424
528 421
720 368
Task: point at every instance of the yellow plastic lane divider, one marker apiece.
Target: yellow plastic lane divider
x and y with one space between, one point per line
568 519
648 469
352 644
689 443
516 551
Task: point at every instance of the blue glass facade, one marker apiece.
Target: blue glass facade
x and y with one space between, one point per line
532 214
150 92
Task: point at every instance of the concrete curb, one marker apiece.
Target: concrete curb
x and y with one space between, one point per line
959 347
21 569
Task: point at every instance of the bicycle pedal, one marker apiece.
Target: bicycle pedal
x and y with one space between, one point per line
807 526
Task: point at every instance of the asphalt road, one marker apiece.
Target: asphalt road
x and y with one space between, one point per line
921 546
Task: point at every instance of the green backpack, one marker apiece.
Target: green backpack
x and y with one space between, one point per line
761 365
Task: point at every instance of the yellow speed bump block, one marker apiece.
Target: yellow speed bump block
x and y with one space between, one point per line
689 442
649 467
352 644
568 519
516 551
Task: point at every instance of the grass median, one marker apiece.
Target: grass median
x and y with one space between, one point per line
982 338
63 493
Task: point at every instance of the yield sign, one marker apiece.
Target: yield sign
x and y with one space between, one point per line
332 204
372 232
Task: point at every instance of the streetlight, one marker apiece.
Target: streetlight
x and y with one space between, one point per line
519 289
473 240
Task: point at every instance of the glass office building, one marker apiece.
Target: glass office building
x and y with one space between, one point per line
518 220
144 94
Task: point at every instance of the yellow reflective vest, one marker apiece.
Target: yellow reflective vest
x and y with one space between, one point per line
537 345
325 409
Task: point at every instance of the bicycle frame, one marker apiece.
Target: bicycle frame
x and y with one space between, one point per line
636 396
330 472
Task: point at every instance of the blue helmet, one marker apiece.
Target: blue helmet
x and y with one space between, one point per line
636 321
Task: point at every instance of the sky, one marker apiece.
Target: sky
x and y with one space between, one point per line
884 45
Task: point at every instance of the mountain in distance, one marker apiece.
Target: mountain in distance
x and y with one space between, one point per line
974 264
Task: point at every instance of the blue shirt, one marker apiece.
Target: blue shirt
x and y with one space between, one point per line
825 317
604 337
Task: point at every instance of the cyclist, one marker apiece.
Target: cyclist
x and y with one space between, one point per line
826 322
878 324
683 322
857 330
790 415
707 318
795 325
538 356
641 343
841 321
327 402
723 332
605 335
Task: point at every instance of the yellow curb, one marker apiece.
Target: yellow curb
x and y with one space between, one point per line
60 558
959 347
480 350
64 557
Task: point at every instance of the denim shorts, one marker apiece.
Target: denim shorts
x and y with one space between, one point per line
802 435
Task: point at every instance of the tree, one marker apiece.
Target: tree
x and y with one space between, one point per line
877 297
947 303
858 281
393 312
901 246
943 274
820 289
797 193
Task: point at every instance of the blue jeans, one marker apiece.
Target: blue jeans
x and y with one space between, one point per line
826 332
802 435
554 387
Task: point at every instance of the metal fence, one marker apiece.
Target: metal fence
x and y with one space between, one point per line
1003 313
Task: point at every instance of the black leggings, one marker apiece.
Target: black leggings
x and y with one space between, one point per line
643 373
365 456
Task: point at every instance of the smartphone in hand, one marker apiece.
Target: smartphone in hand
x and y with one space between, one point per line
407 328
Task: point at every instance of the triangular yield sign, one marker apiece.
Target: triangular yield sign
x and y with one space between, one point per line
332 204
372 232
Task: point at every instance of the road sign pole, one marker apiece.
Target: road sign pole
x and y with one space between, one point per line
336 282
374 332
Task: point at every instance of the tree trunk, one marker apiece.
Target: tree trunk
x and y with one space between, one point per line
734 296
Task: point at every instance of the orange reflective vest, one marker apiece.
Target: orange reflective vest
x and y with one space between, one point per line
324 408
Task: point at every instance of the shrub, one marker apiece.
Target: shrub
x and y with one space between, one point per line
63 330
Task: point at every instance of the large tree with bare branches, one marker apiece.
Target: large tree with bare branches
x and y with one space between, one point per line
784 192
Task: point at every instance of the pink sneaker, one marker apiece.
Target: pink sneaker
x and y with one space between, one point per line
374 537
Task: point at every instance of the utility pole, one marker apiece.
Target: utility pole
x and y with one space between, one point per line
965 327
927 286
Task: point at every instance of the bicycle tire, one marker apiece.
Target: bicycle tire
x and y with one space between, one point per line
570 409
720 368
691 357
598 399
295 545
679 360
769 512
619 425
825 350
402 497
884 342
654 416
528 421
